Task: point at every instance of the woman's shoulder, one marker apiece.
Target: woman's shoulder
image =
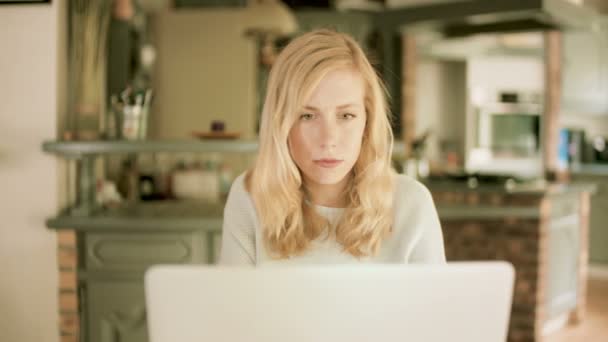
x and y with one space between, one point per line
239 189
239 201
238 184
407 183
410 192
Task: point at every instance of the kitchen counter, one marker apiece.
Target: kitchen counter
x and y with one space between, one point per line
591 169
540 188
154 215
453 200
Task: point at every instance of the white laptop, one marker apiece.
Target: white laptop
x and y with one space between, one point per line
356 303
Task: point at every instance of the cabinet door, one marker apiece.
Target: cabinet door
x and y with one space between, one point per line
115 312
562 273
598 225
583 79
598 220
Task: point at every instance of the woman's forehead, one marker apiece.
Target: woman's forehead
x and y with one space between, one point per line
338 88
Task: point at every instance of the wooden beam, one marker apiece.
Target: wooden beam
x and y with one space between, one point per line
550 119
408 92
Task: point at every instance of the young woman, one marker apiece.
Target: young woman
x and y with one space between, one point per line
322 189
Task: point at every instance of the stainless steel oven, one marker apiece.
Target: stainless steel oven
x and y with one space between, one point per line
506 139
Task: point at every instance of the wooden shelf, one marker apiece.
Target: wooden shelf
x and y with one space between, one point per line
107 223
82 148
162 215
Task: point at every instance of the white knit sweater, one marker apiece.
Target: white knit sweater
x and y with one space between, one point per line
416 235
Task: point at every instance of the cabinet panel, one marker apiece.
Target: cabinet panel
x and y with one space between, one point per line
562 273
585 72
115 312
598 220
598 229
135 251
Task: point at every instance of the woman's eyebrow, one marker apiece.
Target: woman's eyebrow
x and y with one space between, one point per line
308 107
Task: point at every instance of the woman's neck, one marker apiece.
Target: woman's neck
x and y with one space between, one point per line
328 195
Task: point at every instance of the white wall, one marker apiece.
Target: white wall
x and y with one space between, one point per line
509 73
205 71
31 96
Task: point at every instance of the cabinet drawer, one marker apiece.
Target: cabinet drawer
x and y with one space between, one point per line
115 311
134 251
564 205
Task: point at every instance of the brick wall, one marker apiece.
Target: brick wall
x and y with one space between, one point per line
67 256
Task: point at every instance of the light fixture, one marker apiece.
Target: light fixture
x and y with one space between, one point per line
269 17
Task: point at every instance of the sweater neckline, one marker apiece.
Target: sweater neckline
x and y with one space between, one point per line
331 211
328 212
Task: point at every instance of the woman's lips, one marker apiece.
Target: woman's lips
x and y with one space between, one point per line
328 163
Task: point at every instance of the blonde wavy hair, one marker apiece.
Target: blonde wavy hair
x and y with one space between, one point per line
289 222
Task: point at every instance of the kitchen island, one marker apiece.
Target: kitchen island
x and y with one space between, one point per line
542 229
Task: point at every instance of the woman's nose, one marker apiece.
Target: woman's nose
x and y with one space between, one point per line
328 134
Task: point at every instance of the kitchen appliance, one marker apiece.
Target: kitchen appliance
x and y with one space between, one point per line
506 136
599 146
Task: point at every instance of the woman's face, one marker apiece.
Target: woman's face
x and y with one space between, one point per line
325 139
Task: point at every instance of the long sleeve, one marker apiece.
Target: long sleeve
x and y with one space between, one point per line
238 228
428 246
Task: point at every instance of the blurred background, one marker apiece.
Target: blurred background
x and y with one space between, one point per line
124 122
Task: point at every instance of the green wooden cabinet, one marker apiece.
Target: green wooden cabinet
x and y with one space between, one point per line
117 245
113 266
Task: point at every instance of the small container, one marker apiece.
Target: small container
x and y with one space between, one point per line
129 118
196 184
218 126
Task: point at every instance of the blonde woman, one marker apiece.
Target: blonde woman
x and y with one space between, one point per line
322 189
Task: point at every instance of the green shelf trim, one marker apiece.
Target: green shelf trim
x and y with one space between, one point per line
135 223
81 148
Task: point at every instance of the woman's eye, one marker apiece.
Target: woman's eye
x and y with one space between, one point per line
306 116
348 116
